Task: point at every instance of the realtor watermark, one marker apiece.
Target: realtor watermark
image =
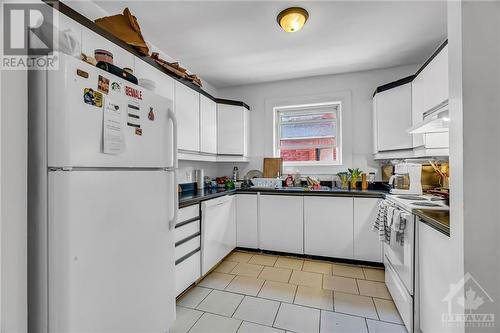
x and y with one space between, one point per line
465 300
29 36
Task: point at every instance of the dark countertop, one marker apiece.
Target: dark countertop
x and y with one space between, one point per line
437 219
335 192
193 197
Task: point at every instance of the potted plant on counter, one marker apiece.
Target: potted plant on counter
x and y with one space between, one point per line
355 176
344 180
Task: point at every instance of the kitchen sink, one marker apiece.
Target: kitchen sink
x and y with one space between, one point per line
294 188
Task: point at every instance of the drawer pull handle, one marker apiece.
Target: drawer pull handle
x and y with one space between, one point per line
187 239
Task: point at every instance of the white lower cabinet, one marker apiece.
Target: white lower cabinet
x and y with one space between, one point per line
366 243
436 273
187 272
328 226
281 223
246 221
187 248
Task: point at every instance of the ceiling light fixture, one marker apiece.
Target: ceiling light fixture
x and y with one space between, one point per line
292 19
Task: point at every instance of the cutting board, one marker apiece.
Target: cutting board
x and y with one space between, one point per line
273 167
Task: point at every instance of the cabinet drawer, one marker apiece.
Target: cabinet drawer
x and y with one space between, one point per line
187 247
188 213
187 272
186 230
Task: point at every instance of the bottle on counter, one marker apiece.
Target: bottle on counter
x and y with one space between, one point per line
364 182
371 180
236 173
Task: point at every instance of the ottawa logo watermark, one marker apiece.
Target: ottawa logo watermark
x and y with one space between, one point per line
29 36
465 300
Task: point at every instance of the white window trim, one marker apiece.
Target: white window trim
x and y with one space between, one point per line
299 108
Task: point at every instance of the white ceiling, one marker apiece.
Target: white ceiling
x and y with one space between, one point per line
239 42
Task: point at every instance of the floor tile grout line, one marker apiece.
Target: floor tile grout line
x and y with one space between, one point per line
203 299
236 309
276 315
375 306
197 320
239 326
366 324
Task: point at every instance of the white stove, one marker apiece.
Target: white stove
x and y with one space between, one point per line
410 202
399 255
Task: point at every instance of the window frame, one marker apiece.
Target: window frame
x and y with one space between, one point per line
308 108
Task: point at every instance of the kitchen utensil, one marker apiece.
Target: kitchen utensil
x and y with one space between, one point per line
273 167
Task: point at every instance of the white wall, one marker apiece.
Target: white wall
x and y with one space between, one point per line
357 122
474 53
13 226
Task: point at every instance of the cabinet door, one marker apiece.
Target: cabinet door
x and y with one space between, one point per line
394 118
281 223
366 243
328 227
435 275
417 108
246 128
208 125
92 41
375 124
187 110
435 80
164 83
246 221
230 130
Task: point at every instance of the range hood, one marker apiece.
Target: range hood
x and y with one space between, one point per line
436 120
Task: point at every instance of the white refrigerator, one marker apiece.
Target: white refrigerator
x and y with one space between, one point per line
102 203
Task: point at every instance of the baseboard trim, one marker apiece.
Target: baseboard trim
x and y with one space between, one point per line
307 256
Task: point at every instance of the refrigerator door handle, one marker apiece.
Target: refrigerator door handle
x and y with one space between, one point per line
173 221
175 164
171 117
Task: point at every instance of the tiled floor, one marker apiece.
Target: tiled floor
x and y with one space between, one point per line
259 293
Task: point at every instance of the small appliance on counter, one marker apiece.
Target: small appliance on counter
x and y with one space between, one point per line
406 179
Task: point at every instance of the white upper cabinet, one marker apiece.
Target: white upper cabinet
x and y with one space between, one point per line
232 130
164 84
328 226
392 115
417 108
187 111
367 246
281 223
435 81
92 41
208 125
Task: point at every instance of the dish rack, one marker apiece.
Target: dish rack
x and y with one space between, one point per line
267 183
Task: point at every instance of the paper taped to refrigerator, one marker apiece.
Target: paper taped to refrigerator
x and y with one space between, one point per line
112 128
